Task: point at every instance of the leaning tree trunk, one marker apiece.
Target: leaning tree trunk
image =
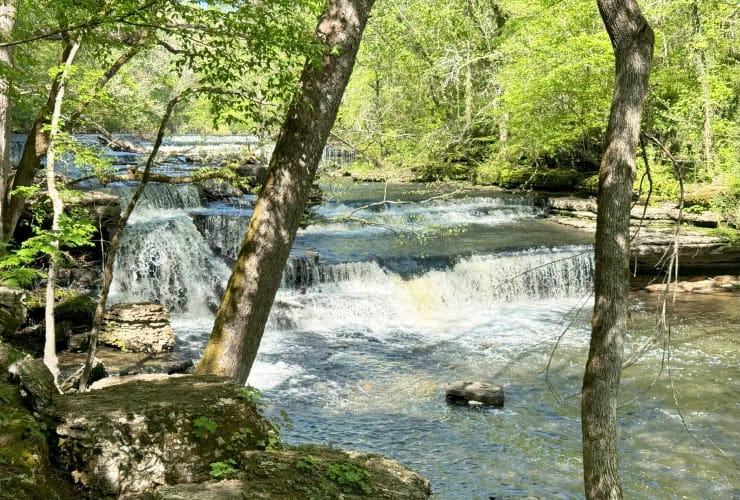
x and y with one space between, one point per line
37 142
241 319
632 41
50 352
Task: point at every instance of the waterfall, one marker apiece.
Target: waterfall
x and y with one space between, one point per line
159 195
163 258
462 296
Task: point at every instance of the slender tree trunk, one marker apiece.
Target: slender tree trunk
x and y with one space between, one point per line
37 142
50 353
240 321
110 257
632 41
702 69
7 22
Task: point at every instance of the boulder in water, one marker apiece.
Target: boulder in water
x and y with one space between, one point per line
129 438
138 327
464 392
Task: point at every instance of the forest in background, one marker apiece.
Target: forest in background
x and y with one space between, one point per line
496 92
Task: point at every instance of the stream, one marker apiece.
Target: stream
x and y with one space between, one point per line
384 303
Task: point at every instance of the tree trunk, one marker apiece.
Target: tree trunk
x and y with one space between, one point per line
702 69
50 353
110 257
7 22
37 142
632 41
241 319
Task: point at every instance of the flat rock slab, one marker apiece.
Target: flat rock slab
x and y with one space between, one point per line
305 472
130 438
464 392
117 363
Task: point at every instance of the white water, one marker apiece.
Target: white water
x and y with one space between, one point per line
358 354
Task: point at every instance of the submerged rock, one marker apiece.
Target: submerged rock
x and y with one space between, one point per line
129 438
465 392
138 327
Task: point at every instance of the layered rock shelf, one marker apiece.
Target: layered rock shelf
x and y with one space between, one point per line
655 236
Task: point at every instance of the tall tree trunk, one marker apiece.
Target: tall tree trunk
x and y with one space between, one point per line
632 41
110 257
702 69
50 353
37 142
240 321
7 22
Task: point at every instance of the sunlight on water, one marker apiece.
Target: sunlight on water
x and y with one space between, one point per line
368 328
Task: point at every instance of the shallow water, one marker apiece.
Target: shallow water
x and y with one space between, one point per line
478 287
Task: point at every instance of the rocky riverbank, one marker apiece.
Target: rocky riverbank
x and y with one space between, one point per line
656 235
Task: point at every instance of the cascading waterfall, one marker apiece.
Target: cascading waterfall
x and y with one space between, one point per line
160 196
367 328
163 258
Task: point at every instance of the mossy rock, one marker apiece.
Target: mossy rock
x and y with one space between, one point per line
589 185
308 472
78 310
152 430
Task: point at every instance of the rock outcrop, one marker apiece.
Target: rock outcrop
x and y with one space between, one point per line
699 252
129 438
35 381
139 327
307 472
12 309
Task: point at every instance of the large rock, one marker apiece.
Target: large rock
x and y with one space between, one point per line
129 438
36 382
117 363
12 309
140 327
464 392
306 472
105 208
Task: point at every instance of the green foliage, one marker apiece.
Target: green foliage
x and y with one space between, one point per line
252 395
351 478
223 469
204 427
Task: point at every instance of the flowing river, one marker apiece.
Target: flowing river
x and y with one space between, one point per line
384 303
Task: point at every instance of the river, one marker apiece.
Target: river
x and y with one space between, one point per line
382 304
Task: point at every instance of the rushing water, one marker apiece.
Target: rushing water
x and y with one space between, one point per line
374 317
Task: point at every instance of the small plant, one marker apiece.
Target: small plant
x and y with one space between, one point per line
252 395
204 427
220 470
350 477
306 463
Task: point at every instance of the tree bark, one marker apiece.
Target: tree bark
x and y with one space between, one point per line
50 353
110 257
7 22
632 41
37 143
241 319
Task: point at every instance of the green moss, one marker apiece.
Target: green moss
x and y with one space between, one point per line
514 176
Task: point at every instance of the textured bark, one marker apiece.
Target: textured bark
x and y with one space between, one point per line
632 41
113 248
7 22
241 319
50 353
